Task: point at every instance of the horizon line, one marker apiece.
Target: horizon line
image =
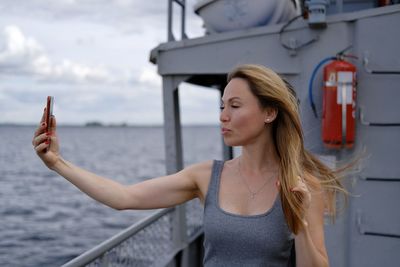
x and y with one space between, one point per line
91 124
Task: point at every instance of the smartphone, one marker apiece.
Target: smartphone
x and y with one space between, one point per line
49 111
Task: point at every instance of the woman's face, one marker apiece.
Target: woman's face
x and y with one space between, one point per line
242 119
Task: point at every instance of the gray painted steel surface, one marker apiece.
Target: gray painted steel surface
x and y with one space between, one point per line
368 233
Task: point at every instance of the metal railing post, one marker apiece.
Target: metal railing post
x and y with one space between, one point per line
170 35
182 4
173 149
183 20
101 250
104 260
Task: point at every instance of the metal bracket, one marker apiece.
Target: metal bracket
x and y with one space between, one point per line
379 124
359 222
362 231
367 69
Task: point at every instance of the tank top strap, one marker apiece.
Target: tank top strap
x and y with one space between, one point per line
214 181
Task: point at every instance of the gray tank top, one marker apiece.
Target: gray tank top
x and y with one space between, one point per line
239 240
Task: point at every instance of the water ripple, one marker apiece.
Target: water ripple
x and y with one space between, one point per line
45 221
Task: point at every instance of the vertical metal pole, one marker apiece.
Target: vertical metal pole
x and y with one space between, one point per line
172 126
173 149
339 6
182 4
104 262
170 35
227 151
183 35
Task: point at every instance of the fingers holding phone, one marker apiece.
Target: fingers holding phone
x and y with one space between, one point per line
45 140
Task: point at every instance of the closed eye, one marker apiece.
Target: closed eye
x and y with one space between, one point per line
232 106
234 102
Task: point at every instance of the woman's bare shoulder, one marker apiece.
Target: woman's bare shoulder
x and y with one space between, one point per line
199 170
200 174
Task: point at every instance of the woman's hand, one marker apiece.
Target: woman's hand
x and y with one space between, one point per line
305 194
46 143
309 241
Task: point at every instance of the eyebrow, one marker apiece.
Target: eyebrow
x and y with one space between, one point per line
231 99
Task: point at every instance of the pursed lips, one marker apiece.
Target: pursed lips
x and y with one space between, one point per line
225 130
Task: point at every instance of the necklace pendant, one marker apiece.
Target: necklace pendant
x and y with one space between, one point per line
252 196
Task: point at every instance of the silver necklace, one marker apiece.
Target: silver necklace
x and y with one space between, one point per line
253 194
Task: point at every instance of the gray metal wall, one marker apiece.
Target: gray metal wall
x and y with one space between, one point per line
368 232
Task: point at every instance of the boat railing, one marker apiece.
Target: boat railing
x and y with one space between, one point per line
153 241
182 4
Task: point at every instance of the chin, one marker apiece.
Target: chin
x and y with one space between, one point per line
231 142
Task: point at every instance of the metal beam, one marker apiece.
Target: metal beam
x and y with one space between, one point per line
173 149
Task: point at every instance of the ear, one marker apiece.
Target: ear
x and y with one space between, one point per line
270 114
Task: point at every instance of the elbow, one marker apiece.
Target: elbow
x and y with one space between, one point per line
325 260
115 205
121 204
323 263
125 202
118 207
319 264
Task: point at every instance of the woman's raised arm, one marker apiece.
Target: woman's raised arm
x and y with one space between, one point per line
161 192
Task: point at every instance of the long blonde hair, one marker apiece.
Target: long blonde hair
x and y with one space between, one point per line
294 160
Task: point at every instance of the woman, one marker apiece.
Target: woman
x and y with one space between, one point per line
258 206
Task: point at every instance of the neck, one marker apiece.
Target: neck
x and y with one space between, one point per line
260 156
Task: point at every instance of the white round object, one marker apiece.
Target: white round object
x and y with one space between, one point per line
229 15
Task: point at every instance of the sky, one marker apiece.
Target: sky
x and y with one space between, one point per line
93 57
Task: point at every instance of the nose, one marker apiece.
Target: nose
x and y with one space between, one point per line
224 116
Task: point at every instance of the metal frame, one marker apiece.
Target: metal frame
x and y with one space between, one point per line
182 4
101 249
173 150
208 58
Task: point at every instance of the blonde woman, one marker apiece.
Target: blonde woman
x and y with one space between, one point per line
262 208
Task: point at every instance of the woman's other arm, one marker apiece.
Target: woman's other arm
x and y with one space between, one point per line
310 241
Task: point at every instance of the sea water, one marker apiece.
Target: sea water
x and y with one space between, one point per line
45 220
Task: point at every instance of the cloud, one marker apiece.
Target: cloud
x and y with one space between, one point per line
68 71
150 77
22 55
92 56
117 12
17 50
130 16
199 105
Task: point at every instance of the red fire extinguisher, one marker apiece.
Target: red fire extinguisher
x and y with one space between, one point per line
339 104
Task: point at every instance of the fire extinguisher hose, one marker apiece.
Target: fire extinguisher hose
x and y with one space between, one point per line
310 85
